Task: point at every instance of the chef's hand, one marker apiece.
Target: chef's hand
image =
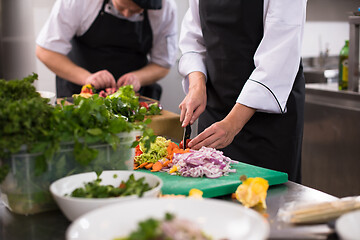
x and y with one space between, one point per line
222 133
194 102
129 79
101 79
218 135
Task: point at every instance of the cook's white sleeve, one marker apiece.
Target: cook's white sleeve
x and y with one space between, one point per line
64 22
191 44
277 58
165 34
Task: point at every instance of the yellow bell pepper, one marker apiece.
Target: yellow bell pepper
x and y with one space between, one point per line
173 169
195 193
252 192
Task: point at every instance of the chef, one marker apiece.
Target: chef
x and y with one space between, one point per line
109 43
244 80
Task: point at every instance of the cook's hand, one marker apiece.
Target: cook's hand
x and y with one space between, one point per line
194 102
101 79
129 79
222 133
218 135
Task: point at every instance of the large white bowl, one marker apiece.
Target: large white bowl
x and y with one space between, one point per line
220 219
74 207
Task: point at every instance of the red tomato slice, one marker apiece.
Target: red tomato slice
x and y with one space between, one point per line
181 144
138 151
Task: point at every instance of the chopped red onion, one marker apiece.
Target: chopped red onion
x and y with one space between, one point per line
207 162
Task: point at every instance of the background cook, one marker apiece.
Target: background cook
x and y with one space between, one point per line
109 43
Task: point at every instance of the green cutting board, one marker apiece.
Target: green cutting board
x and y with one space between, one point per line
218 186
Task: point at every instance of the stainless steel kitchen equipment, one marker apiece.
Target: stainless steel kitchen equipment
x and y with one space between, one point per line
354 22
331 153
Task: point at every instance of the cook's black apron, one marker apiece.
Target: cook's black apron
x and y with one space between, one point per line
232 32
117 45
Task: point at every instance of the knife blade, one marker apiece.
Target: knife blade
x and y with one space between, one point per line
186 136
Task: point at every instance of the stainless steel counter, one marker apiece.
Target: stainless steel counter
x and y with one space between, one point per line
52 225
331 153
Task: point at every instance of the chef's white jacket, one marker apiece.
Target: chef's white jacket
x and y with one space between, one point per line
276 59
70 18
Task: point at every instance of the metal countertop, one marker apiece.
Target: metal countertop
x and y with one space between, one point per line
52 225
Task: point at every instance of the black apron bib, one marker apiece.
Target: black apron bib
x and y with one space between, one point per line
117 45
232 32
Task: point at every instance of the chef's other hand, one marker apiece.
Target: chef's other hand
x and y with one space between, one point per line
218 135
101 79
222 133
194 102
129 79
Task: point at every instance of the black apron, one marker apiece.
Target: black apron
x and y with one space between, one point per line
232 32
117 45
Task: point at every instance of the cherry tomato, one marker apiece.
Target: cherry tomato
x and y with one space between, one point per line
102 94
144 104
181 144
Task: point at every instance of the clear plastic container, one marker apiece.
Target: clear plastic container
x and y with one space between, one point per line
25 193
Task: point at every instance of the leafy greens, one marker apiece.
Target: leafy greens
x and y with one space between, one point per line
27 121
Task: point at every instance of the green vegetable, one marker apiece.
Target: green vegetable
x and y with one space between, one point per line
154 109
157 151
124 102
19 89
38 142
152 229
28 122
25 120
148 229
95 190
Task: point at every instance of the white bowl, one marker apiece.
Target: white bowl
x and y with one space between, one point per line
218 218
50 95
73 207
348 226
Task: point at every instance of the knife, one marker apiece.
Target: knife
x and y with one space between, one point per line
186 136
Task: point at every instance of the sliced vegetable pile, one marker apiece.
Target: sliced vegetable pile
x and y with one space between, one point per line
95 190
166 156
158 156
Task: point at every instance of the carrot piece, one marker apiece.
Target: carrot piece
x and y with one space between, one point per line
143 164
157 167
174 145
149 165
181 150
170 149
166 163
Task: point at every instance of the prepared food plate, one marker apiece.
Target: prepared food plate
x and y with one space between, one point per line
218 219
347 226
